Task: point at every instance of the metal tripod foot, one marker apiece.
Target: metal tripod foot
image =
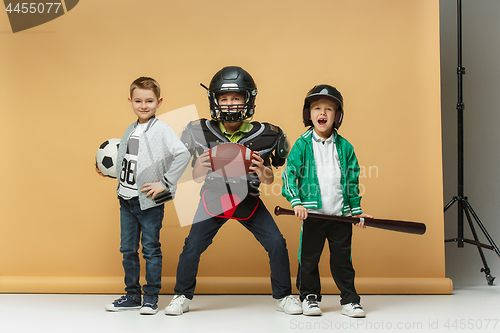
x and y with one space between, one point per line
489 278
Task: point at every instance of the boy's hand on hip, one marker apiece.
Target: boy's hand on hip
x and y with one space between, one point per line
300 211
153 188
362 224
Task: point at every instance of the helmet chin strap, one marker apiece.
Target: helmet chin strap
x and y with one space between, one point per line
230 117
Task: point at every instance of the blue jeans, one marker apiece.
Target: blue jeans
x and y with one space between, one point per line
141 225
261 225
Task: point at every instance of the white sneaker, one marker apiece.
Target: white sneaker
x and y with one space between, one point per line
289 305
178 305
353 310
310 306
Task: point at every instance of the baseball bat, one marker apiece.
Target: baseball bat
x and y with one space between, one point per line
394 225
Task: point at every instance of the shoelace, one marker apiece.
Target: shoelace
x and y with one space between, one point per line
357 306
178 300
289 300
121 300
151 305
312 303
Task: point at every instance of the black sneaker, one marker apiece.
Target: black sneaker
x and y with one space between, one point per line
149 305
124 303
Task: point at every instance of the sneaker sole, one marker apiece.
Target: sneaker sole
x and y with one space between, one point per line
293 313
112 309
354 315
148 311
168 313
312 313
289 312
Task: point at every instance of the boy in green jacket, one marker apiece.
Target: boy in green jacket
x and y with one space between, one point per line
322 176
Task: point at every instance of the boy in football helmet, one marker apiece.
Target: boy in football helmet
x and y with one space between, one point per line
231 95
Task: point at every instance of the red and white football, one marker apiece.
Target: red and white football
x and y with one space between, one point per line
230 159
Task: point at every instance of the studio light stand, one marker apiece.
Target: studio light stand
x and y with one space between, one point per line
463 204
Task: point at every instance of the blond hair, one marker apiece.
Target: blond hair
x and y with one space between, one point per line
145 82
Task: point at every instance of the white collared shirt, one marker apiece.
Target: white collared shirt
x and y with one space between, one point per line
328 171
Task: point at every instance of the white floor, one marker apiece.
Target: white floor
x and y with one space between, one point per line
474 309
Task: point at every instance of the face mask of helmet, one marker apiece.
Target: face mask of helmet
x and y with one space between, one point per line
227 80
229 113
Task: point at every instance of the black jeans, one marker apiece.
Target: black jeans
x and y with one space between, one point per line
314 233
261 225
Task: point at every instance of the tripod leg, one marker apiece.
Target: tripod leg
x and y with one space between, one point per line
485 269
483 229
460 237
448 205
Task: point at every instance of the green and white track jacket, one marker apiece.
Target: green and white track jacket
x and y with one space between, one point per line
300 181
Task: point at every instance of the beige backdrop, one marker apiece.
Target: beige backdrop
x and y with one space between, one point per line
64 88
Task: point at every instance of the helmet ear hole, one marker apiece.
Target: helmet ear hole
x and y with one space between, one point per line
306 117
339 115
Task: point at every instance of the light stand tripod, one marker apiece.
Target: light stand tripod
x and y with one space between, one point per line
460 199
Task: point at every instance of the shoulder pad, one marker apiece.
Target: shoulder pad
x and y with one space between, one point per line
186 136
275 129
193 137
281 151
281 147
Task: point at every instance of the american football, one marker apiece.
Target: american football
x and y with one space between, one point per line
230 159
106 157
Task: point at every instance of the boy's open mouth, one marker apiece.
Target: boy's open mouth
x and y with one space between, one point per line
322 121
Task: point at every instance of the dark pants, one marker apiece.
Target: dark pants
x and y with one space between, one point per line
144 226
314 233
261 225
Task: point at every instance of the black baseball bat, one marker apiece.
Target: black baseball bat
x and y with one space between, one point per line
416 228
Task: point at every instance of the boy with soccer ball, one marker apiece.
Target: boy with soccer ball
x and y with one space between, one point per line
151 159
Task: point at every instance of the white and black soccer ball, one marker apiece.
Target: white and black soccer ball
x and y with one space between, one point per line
106 157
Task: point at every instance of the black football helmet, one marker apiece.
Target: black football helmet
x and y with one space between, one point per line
232 79
317 92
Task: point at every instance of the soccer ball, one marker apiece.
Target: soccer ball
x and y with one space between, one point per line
106 157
